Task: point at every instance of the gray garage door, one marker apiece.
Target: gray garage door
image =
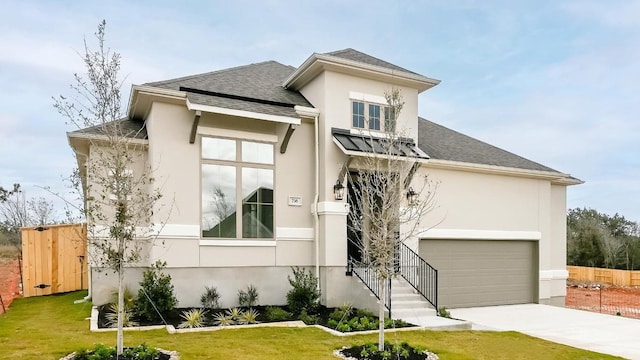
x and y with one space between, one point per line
483 272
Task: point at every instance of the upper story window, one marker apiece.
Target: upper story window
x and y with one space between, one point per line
376 117
237 178
358 114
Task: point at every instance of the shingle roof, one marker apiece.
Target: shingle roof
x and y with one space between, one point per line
254 87
442 143
355 55
127 127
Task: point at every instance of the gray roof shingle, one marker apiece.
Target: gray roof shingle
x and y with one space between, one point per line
254 84
355 55
442 143
128 128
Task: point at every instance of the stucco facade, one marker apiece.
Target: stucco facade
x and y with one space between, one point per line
475 201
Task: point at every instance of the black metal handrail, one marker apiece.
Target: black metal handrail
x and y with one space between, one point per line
418 273
367 275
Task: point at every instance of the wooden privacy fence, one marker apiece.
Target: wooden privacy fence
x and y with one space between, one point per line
54 259
607 276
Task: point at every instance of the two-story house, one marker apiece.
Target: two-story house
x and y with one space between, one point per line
250 157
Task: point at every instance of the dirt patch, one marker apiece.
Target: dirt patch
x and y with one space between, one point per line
603 298
9 282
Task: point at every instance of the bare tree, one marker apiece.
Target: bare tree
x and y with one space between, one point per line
14 213
388 201
42 211
117 180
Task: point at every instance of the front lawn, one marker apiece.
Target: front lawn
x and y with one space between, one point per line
49 327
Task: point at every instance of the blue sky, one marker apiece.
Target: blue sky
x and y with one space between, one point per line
554 81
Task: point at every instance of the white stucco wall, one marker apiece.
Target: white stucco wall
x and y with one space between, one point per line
487 206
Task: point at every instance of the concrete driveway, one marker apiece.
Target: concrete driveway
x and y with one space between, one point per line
581 329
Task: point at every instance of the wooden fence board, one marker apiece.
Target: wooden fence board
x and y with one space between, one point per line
606 276
54 259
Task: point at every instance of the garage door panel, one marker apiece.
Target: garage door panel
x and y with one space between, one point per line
483 272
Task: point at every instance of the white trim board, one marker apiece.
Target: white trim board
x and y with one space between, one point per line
233 242
470 234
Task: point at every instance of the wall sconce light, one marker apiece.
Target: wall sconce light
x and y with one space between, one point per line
412 196
338 190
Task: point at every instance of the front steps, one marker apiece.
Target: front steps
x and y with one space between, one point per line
407 303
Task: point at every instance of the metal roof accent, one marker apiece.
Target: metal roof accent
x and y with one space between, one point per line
352 144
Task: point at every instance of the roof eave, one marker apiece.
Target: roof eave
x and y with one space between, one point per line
318 62
139 100
555 177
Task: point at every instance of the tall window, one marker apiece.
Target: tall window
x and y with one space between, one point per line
237 178
358 114
374 117
370 116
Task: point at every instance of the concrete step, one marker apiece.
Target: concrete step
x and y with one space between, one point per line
402 290
399 313
405 297
409 304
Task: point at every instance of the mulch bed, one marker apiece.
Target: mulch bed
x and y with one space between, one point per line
174 318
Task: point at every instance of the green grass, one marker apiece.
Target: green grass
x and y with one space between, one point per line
50 327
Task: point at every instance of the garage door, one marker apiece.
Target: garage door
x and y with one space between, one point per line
483 272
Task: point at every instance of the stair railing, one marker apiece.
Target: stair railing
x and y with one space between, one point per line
418 273
367 275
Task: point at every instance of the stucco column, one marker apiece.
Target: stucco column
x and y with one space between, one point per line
332 249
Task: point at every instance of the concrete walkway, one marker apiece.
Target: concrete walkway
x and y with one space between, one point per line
581 329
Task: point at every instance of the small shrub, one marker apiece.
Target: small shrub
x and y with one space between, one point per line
101 352
222 319
127 316
249 317
155 294
391 351
193 318
127 294
304 296
234 313
210 299
364 313
274 313
443 312
308 319
248 298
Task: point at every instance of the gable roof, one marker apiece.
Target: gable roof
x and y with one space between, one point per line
443 143
355 55
254 87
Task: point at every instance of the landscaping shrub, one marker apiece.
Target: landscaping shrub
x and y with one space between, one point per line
304 296
101 352
156 293
274 313
248 298
391 351
193 318
210 298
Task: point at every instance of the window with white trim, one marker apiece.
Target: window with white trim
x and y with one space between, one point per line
371 116
237 178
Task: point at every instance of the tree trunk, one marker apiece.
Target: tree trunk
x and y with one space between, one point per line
120 336
381 291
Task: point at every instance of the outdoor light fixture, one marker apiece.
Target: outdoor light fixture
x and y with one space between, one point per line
412 196
338 190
